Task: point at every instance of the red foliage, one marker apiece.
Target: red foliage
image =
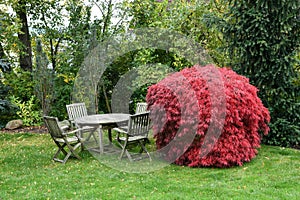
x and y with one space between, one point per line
207 116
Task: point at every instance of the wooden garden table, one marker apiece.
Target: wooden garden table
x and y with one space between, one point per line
102 121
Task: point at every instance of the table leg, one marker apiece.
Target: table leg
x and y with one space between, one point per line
101 147
109 135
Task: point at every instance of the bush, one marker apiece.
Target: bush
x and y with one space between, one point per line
27 112
20 83
7 110
181 106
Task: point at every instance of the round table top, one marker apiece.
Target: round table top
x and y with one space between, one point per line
102 119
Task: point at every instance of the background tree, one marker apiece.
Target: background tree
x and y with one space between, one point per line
186 17
43 77
111 20
24 36
263 39
9 42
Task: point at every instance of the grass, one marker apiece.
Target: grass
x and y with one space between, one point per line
28 172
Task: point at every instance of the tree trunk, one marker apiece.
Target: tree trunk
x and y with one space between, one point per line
106 99
24 37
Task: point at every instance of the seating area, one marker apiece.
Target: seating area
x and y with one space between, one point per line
82 130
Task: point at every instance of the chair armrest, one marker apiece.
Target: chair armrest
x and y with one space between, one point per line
64 125
64 128
121 129
72 132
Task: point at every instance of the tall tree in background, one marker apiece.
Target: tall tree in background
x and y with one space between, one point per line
43 77
9 41
24 36
111 20
63 27
263 38
186 17
49 23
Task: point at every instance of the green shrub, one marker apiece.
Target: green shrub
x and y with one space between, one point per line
20 83
27 111
7 110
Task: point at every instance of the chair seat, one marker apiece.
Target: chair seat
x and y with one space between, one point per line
133 138
71 140
86 128
64 127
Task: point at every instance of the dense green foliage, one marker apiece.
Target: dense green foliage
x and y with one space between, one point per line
263 39
7 109
186 17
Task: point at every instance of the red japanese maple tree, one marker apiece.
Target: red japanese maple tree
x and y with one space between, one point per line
207 116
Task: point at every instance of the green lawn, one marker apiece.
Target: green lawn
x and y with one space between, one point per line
27 172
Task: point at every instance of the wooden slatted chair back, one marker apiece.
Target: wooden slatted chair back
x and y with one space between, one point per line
139 124
53 127
76 110
141 107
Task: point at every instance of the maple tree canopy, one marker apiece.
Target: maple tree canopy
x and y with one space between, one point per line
207 116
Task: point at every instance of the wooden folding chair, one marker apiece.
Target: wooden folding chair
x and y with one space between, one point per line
135 135
77 110
63 139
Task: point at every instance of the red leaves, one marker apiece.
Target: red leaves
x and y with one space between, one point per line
189 109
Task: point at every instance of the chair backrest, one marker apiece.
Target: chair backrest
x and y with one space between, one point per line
53 127
76 110
141 107
139 124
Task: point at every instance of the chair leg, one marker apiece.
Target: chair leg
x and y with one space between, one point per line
122 153
128 155
94 136
124 150
67 154
63 150
55 156
60 149
92 133
144 148
72 150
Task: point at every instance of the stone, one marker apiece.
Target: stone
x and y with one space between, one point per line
14 124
